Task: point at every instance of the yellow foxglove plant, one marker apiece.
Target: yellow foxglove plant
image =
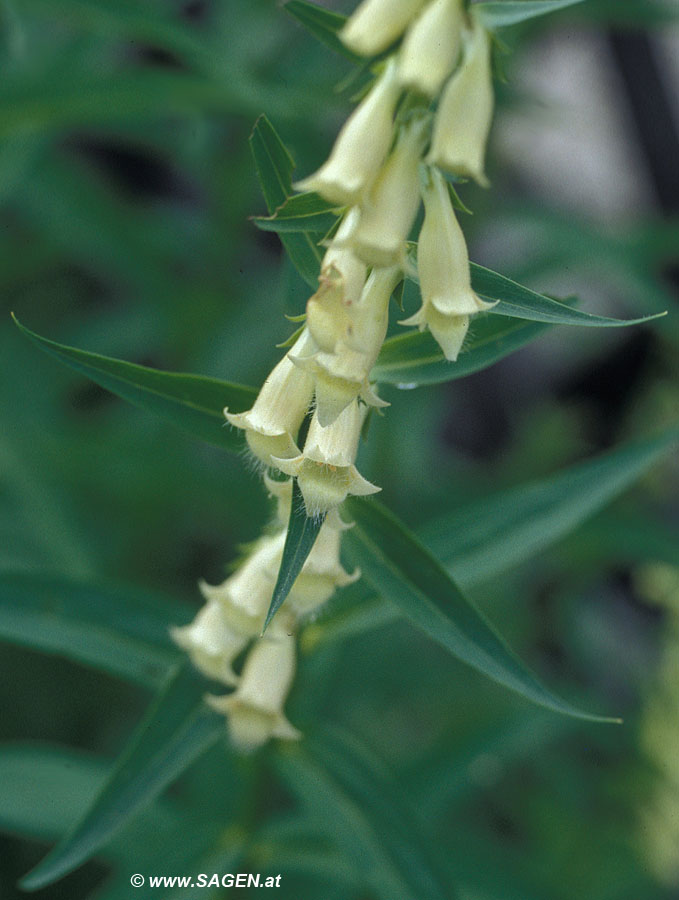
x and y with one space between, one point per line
376 172
426 116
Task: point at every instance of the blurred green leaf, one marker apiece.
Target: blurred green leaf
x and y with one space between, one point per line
274 169
414 359
176 731
497 13
45 790
322 23
522 303
403 571
193 403
489 536
301 212
119 630
299 541
356 803
483 539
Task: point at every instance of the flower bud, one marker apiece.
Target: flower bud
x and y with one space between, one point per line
255 709
211 643
325 470
388 211
431 47
376 24
360 147
465 112
272 424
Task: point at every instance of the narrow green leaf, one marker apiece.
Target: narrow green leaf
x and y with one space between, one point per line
522 303
175 732
498 13
116 629
413 359
274 170
489 536
299 541
45 790
301 212
322 23
193 403
354 802
401 569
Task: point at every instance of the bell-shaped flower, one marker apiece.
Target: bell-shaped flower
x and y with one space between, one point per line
325 471
211 642
443 268
245 596
376 24
272 424
431 47
321 574
465 112
361 145
341 375
341 282
389 209
255 710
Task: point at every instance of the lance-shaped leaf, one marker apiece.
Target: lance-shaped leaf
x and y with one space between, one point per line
274 170
403 571
498 13
116 629
299 541
489 536
176 731
322 23
522 303
485 538
301 212
193 403
413 359
350 796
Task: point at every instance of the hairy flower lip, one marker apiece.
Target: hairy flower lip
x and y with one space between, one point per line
271 425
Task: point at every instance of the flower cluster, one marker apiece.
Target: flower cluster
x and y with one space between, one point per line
390 155
232 619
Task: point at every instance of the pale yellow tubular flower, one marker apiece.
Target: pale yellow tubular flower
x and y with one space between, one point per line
465 113
325 470
443 268
390 207
342 375
245 596
361 145
341 282
376 24
255 710
431 47
272 424
211 643
321 575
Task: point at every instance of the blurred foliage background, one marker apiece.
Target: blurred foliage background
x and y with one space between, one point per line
125 190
